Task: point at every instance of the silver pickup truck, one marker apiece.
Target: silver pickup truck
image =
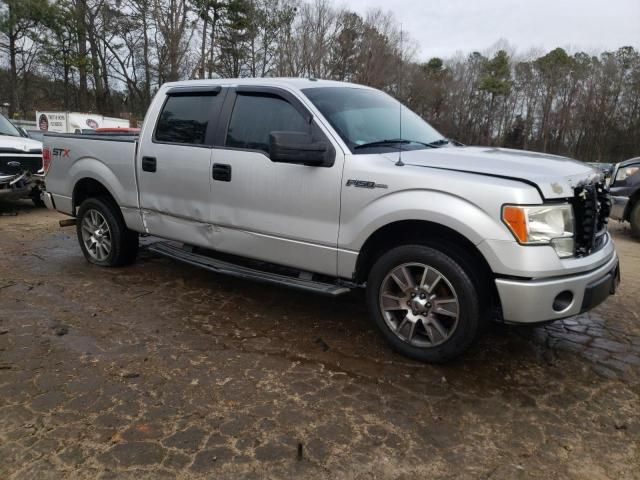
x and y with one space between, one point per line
327 186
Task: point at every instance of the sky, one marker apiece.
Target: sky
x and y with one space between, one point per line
444 27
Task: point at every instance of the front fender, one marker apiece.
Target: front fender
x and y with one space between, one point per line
434 206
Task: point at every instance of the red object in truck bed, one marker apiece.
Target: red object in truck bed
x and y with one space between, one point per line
117 130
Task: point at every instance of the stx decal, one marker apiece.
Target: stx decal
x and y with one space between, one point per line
61 152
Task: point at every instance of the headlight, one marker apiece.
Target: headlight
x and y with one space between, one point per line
542 225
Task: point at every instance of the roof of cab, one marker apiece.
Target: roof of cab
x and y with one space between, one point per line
625 163
295 83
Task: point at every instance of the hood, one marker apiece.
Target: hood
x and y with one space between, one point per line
554 176
21 144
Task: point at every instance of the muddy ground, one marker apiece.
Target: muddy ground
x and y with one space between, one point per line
160 370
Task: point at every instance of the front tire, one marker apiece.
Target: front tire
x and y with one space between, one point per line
424 303
634 220
36 196
104 238
38 202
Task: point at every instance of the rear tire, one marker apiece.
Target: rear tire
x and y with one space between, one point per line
104 238
424 303
634 220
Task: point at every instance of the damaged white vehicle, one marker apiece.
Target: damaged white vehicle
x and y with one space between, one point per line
21 169
317 185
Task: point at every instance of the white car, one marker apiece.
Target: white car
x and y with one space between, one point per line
21 173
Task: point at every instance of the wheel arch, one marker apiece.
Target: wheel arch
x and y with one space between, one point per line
431 234
633 200
89 187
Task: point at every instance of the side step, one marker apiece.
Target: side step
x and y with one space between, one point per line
177 252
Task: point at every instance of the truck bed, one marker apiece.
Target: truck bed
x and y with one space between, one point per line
107 136
106 158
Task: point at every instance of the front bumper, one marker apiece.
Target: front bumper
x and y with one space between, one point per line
13 187
532 301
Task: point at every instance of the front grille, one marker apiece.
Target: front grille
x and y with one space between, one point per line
591 206
13 164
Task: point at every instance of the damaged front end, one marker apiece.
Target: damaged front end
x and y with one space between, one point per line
15 186
21 173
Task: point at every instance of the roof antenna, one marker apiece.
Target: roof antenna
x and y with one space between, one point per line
399 163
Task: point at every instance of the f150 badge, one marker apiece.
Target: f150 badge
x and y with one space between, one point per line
364 184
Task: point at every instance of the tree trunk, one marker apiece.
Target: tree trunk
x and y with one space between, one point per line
97 78
203 48
66 84
13 82
213 42
147 61
81 16
107 104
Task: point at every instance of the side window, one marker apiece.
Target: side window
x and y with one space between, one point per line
184 118
628 176
254 117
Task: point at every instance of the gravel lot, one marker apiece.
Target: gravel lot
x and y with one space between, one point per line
160 370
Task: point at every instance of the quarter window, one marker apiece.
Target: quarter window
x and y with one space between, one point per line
184 118
254 117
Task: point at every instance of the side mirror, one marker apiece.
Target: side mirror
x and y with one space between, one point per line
297 148
23 132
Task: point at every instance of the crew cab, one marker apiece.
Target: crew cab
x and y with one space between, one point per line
327 187
20 164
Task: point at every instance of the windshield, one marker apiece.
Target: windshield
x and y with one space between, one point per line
369 120
7 128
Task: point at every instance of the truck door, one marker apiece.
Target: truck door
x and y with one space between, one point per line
626 182
174 164
281 213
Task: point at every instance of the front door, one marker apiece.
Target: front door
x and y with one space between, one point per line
625 184
281 213
174 166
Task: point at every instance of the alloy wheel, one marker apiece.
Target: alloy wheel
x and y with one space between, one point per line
419 305
96 235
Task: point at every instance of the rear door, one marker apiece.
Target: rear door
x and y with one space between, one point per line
174 164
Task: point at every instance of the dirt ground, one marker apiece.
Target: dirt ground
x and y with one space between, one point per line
160 370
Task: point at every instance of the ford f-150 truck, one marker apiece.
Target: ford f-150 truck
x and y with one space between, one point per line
327 186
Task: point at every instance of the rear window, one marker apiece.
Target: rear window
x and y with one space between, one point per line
185 118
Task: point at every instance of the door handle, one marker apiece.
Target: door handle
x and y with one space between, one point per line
221 172
149 164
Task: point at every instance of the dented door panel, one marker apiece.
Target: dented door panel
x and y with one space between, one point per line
174 165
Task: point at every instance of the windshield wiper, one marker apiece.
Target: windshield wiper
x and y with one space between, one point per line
393 141
439 143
